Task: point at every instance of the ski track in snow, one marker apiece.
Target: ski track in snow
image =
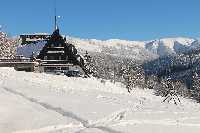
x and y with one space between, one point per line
98 124
166 122
138 112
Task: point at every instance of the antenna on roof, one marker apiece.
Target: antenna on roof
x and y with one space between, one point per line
55 13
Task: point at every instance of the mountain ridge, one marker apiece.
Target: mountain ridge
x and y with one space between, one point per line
138 50
159 47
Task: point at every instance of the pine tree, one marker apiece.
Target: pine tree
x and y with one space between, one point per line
7 46
89 64
171 92
196 86
151 82
134 77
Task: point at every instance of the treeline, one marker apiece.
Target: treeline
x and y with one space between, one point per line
182 71
116 69
7 46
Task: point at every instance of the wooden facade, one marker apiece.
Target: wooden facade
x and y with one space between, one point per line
57 53
27 39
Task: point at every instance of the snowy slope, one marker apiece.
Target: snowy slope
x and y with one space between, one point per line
128 49
41 103
139 50
122 48
159 47
170 46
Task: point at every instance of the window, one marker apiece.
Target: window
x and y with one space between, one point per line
60 58
51 57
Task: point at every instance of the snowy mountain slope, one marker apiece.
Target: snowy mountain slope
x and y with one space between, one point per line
120 49
170 46
41 103
159 47
138 50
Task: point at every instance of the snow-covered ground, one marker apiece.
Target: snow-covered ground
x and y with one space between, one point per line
42 103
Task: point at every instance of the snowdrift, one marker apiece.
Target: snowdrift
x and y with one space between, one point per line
42 103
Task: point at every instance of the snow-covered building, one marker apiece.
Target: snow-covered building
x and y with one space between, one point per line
32 38
57 54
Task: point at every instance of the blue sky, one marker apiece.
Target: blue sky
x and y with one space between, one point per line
104 19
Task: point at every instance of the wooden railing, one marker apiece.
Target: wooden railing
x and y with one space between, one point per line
15 60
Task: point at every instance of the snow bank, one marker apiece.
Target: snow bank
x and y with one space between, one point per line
42 103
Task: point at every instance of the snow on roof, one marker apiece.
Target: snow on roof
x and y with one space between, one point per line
27 50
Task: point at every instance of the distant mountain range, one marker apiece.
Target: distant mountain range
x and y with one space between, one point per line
178 58
141 50
138 50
